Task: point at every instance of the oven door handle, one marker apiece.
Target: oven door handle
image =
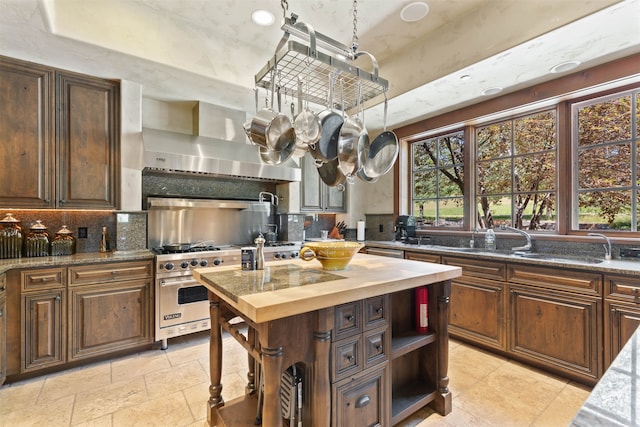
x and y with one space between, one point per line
179 281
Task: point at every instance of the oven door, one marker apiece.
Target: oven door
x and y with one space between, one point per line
182 306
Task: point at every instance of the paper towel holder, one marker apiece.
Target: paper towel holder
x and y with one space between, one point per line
360 231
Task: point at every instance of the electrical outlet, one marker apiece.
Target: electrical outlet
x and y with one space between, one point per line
82 233
381 228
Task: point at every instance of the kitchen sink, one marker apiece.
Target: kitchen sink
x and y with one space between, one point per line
559 258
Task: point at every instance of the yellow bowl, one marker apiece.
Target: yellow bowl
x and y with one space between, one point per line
332 255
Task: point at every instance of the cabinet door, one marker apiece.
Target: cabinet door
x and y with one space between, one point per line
362 402
43 329
560 330
26 132
315 195
620 322
310 187
335 198
477 311
88 141
106 318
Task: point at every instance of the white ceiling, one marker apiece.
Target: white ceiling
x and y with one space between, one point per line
209 50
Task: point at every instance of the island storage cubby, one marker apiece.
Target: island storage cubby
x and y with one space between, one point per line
414 356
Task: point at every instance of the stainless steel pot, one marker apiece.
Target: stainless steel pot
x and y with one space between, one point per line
353 144
331 174
271 129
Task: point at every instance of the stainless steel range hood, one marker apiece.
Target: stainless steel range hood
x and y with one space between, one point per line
177 152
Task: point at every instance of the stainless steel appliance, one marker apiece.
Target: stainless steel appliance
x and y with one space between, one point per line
212 233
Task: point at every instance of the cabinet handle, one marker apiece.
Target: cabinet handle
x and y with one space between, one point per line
349 318
58 298
62 202
379 310
350 357
114 272
2 289
363 401
379 347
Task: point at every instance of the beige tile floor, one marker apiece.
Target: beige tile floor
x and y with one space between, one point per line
169 388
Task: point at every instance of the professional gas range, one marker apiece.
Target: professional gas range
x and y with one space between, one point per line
182 305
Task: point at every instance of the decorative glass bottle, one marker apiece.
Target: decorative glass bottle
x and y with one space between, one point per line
105 244
37 241
11 237
64 243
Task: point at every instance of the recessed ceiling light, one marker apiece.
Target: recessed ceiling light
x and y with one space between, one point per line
492 91
414 11
565 66
465 77
263 17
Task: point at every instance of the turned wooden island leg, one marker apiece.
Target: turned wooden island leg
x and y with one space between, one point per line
321 388
215 360
272 370
442 403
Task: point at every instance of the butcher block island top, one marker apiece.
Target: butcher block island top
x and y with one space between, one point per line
286 288
348 337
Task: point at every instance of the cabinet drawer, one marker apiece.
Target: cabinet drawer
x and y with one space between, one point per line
376 310
556 278
421 256
110 272
477 268
376 346
622 287
348 320
347 357
362 401
45 278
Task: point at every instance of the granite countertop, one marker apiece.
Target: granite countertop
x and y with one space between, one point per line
290 287
82 258
612 266
615 400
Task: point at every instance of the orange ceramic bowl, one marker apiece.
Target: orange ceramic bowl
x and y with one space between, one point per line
332 255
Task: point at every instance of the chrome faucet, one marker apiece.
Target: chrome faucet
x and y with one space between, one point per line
527 246
607 247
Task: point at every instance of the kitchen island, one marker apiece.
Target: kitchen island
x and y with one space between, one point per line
350 332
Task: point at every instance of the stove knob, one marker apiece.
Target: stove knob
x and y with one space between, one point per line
277 255
194 262
217 261
203 263
295 255
284 256
184 264
168 266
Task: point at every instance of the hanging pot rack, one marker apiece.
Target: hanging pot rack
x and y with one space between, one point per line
293 58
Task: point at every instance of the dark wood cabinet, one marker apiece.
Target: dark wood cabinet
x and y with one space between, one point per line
3 328
622 313
361 401
360 351
69 314
43 297
315 195
478 302
110 308
87 130
557 330
60 133
27 134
